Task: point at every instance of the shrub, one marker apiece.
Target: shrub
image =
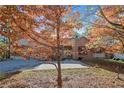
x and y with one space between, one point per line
117 59
114 58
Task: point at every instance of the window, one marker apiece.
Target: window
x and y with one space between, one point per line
81 50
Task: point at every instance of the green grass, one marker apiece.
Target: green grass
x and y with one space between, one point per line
112 60
2 76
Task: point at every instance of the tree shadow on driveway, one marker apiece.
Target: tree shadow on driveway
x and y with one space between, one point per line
17 65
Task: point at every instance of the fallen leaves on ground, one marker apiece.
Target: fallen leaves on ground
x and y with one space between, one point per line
84 78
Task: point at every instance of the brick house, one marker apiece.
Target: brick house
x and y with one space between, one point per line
73 48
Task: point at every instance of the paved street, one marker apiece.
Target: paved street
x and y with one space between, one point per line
20 64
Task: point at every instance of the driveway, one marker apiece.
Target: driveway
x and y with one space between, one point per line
19 64
64 65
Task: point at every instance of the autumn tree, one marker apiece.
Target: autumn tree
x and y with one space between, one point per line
107 31
55 22
108 25
16 25
60 23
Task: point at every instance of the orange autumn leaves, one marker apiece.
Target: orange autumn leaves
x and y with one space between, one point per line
110 26
22 24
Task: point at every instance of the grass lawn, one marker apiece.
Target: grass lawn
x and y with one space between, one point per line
2 76
76 78
112 60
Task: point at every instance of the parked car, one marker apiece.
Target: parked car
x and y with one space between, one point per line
118 56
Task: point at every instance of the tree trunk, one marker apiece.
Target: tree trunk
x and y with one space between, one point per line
9 51
59 79
122 44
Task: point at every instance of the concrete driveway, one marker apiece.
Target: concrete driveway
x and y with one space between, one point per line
64 65
19 64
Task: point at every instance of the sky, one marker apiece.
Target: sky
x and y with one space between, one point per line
85 10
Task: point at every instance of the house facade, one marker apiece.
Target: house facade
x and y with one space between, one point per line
73 48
